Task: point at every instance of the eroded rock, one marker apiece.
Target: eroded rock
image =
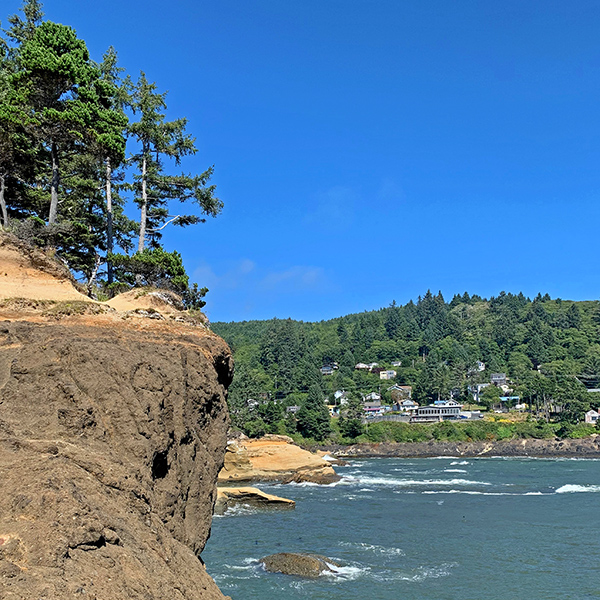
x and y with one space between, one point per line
301 565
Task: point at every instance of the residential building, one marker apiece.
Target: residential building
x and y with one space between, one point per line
387 374
441 410
408 406
373 397
396 363
591 416
326 370
293 409
361 367
476 391
498 378
400 392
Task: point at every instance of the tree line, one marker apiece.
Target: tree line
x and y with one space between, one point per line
548 348
81 142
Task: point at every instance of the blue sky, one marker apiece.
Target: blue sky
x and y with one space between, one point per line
367 150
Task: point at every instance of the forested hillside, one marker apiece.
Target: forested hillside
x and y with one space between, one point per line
549 349
89 163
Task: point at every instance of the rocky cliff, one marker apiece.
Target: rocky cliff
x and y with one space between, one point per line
112 433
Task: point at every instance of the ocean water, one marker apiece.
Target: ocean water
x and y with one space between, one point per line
426 529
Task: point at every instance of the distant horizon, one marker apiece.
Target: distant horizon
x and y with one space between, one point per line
400 304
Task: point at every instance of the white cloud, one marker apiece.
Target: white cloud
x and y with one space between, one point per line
297 278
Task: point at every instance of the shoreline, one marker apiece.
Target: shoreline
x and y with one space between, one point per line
534 448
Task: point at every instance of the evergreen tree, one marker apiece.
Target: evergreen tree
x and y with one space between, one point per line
160 140
313 417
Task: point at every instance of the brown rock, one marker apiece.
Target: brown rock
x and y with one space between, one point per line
230 496
273 458
112 434
301 565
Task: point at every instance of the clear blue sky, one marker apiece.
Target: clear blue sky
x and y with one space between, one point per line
367 150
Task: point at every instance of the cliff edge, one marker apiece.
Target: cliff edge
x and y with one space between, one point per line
112 433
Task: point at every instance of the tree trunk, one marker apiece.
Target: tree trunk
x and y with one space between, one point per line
109 221
92 279
143 216
3 201
54 186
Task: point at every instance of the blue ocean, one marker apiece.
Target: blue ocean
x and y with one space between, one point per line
445 529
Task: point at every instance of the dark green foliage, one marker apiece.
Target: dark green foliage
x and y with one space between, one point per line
313 417
63 132
155 268
549 363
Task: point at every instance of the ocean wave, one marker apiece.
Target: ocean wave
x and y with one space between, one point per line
395 482
373 548
460 462
237 510
417 575
475 493
347 573
572 488
455 471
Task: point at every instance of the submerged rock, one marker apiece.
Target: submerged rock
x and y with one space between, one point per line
302 565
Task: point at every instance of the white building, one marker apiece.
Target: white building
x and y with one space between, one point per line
387 374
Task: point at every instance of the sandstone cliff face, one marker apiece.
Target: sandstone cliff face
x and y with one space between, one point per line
112 433
273 458
110 444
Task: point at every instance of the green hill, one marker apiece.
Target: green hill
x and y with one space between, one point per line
549 350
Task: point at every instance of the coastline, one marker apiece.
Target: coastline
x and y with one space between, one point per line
535 448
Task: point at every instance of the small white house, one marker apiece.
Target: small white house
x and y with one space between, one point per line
591 416
387 374
373 397
362 367
396 363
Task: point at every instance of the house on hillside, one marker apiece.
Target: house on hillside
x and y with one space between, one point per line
400 392
341 397
396 363
591 416
476 391
373 397
440 410
390 374
326 370
361 367
406 406
498 379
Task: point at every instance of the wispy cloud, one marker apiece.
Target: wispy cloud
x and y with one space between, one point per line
297 278
233 277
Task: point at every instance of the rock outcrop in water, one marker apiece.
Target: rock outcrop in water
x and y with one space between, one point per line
112 433
301 565
273 458
249 496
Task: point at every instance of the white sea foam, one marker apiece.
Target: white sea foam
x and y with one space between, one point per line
570 489
329 458
460 462
475 493
455 471
395 482
417 575
373 548
237 510
347 573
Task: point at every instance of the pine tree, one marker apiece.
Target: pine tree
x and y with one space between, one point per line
159 140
